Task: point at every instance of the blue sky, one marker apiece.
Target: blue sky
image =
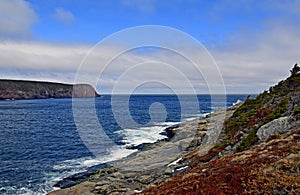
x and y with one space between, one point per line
254 43
92 20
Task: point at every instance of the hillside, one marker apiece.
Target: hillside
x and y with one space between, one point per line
282 100
257 153
14 89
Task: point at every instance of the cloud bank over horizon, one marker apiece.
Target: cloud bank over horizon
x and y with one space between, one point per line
256 53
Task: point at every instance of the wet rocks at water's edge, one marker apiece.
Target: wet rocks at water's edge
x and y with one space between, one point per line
168 132
134 173
79 177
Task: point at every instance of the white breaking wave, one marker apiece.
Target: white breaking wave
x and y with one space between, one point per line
70 167
149 134
237 102
131 137
115 153
43 189
142 135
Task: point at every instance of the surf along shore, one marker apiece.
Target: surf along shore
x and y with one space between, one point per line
256 150
152 163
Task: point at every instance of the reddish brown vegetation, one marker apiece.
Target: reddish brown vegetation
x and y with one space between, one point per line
210 155
267 168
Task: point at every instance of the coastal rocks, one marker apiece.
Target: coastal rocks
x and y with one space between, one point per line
169 132
214 127
169 171
134 173
280 125
158 161
121 182
229 150
79 177
84 188
65 183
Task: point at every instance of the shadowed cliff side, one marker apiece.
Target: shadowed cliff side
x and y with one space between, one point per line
14 89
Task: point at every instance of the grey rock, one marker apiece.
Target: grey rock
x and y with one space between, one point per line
230 150
169 171
279 125
103 182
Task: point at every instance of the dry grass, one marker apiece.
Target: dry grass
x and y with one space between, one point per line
267 168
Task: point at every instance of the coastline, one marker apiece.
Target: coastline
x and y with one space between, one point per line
23 89
152 162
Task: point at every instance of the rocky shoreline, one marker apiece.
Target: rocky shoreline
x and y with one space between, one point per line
203 163
81 176
152 163
252 148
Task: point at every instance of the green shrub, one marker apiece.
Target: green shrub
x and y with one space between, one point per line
217 145
279 110
247 141
297 110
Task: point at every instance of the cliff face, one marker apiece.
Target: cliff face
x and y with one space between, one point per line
12 89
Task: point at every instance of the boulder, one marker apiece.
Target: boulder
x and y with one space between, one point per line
280 125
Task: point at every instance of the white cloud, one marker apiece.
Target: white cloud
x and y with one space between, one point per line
43 56
250 61
54 62
247 66
63 16
16 19
40 61
259 59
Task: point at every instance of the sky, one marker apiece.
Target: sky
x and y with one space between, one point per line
254 44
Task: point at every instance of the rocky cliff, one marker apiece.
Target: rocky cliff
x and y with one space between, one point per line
13 89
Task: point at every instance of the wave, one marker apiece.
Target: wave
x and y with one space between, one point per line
131 137
237 102
149 134
41 189
70 167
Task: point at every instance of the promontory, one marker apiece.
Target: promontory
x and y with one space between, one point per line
16 89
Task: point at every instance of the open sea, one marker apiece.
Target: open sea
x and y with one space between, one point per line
40 143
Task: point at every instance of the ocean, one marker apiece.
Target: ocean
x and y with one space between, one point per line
40 143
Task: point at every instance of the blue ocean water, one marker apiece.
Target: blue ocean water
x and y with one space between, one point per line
40 144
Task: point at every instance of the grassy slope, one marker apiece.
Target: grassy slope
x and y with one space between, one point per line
280 100
268 167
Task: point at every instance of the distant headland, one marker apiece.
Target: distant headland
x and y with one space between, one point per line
17 89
